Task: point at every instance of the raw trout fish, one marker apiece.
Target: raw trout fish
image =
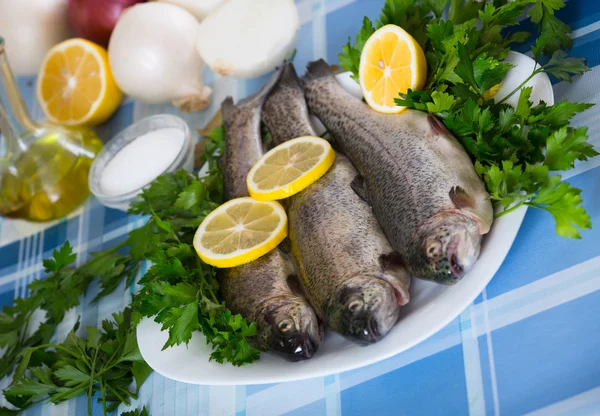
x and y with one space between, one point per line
348 270
286 323
419 180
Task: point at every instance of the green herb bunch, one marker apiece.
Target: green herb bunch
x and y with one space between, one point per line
516 151
107 362
180 291
60 291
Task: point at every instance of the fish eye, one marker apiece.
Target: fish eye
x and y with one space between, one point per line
285 325
355 306
434 249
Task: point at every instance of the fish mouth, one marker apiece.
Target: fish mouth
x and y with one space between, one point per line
401 297
455 267
373 330
306 347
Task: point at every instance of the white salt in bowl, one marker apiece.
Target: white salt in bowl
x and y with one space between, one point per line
132 159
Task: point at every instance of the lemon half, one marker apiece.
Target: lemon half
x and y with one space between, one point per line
391 62
75 85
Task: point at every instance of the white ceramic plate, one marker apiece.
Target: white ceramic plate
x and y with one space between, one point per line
432 306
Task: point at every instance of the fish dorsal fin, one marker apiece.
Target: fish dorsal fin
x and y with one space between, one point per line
437 125
460 198
358 186
227 108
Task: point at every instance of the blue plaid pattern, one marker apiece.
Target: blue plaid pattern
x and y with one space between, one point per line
527 345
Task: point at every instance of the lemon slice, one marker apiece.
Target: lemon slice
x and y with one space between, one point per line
240 231
289 168
75 85
391 62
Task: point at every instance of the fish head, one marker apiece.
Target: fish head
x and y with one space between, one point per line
288 326
448 246
363 308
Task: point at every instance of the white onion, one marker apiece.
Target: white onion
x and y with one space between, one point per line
248 38
199 8
153 57
30 28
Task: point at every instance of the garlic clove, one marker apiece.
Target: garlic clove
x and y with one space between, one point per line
248 38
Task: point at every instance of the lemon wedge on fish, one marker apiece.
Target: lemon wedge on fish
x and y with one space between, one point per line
289 168
240 231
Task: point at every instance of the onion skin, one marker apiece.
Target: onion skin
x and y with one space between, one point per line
95 19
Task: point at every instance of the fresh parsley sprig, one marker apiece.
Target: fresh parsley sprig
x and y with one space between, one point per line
60 291
107 361
516 150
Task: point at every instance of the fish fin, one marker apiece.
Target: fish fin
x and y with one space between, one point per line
227 108
258 98
358 186
295 286
289 77
221 162
393 259
437 125
460 198
317 69
286 245
393 265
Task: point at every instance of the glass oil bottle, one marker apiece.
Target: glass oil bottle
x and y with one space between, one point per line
43 167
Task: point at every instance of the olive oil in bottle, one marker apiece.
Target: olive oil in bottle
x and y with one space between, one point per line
43 168
51 179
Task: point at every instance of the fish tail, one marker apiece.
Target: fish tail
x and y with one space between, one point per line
257 99
317 70
289 77
227 107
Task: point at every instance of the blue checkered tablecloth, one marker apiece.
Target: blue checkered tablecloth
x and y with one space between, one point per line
529 344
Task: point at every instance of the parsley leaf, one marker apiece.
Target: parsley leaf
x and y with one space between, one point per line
60 259
136 412
563 67
350 55
564 203
442 103
565 146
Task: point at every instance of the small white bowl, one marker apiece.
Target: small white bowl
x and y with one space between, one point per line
183 160
523 68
